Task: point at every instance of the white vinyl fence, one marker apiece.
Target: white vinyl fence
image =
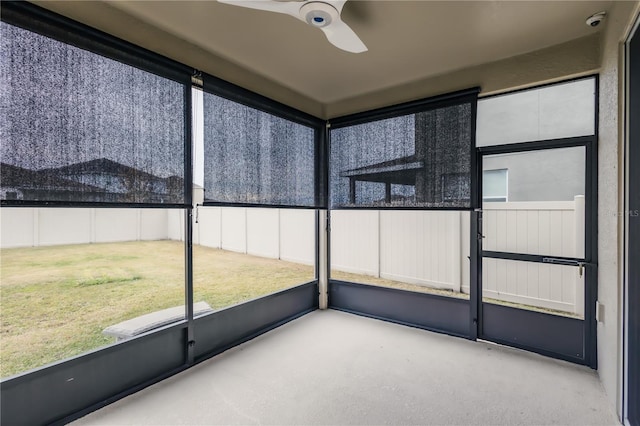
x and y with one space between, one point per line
552 228
420 247
33 227
428 248
285 234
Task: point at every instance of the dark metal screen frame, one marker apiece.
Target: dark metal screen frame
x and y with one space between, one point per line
218 87
403 306
41 21
469 96
68 389
71 388
44 22
182 344
420 105
588 354
432 312
631 212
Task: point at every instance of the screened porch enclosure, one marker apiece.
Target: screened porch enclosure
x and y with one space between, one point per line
137 190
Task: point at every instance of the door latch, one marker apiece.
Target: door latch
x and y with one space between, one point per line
568 262
581 268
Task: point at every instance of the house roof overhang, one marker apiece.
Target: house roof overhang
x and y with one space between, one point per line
400 171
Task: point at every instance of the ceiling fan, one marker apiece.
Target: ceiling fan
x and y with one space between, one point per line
323 14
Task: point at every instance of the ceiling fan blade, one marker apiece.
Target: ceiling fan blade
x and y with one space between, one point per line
342 36
317 13
289 7
338 4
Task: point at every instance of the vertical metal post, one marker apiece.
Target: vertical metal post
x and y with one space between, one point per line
475 245
352 190
188 254
316 264
323 259
188 222
323 225
591 253
631 311
475 275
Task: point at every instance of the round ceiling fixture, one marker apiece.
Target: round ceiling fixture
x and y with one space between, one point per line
595 19
318 14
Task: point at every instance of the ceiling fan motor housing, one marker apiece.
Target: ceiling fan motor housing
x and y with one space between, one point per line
318 14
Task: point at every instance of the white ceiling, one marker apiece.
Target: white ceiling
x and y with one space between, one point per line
408 41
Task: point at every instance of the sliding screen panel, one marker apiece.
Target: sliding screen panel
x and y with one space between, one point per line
253 157
79 127
418 160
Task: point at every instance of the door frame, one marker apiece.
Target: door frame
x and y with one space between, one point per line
540 341
631 272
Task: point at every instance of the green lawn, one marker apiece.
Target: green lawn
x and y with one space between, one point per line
55 301
367 279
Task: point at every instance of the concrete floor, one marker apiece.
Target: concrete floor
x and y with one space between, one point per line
330 367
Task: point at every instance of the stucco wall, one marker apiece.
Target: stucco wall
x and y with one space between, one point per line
556 175
610 200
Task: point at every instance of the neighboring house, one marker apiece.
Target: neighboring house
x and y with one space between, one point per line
91 181
427 177
18 183
557 175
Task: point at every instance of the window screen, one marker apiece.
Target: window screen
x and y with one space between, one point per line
420 160
79 127
253 157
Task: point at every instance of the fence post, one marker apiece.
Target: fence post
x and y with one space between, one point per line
279 234
183 235
139 224
379 245
219 227
92 225
36 227
455 225
579 220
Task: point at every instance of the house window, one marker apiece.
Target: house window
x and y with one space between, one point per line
495 186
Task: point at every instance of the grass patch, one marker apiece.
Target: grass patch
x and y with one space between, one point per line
381 282
106 280
532 308
55 301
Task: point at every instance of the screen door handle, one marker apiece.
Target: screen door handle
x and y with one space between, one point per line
568 262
